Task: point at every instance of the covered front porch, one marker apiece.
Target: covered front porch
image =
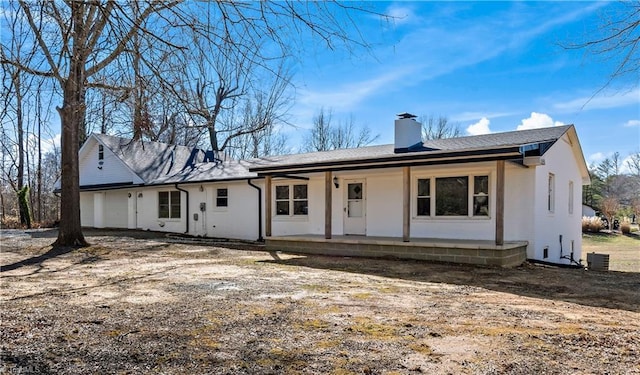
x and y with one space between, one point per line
479 252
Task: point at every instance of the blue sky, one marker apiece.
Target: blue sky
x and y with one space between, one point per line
489 66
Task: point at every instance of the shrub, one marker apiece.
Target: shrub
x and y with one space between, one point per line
625 227
592 224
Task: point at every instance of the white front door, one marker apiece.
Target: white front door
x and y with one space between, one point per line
139 208
132 214
354 211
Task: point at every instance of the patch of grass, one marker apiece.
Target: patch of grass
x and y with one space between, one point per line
327 344
362 295
368 327
421 347
389 289
313 324
623 250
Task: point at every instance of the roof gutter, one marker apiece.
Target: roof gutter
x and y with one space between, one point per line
354 166
186 192
410 159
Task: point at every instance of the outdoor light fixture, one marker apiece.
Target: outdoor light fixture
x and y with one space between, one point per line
335 182
201 188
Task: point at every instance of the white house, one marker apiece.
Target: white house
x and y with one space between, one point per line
491 199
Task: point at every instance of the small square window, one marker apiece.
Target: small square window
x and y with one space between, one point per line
291 197
222 197
169 204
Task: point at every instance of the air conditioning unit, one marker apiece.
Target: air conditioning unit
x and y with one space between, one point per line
598 262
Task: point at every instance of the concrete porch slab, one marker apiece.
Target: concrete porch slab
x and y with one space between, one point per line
480 252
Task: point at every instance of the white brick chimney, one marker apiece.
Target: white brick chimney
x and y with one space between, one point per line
408 132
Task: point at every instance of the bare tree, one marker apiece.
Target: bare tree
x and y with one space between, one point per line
438 128
78 40
325 136
616 39
634 164
610 206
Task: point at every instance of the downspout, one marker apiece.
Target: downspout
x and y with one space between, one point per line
186 192
260 238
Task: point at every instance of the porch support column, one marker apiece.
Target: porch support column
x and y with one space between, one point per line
327 204
500 202
267 206
406 204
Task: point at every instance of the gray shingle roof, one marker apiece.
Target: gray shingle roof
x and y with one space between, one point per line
434 147
161 163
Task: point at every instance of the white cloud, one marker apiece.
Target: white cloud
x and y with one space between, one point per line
48 144
624 168
538 120
597 157
616 100
400 14
480 127
631 123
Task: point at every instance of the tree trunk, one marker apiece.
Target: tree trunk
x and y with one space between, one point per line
23 210
72 116
70 232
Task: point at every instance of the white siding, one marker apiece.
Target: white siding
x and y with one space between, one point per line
238 220
86 209
98 209
549 226
116 213
519 203
112 169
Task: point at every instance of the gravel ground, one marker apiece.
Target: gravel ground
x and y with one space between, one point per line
137 302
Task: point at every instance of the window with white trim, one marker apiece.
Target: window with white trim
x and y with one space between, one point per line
551 192
292 200
480 195
452 196
222 197
570 197
169 204
100 152
424 197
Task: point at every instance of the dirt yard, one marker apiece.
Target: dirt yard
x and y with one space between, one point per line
135 303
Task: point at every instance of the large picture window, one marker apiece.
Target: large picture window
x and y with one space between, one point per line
452 196
169 205
292 199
